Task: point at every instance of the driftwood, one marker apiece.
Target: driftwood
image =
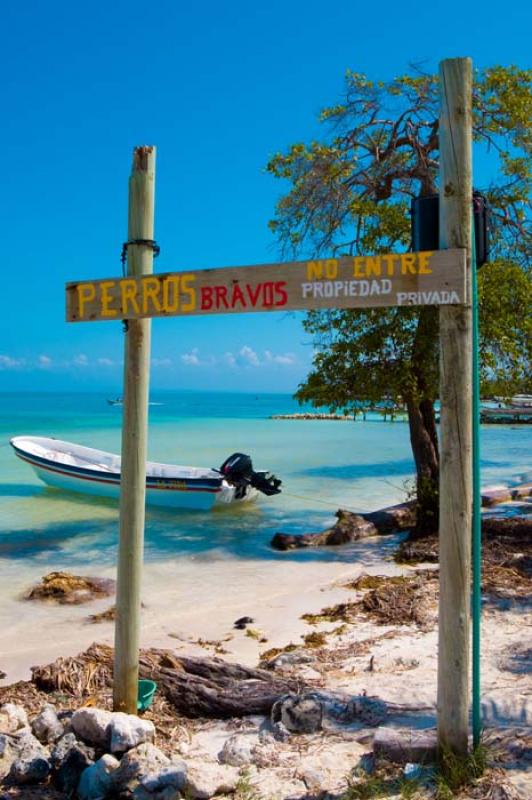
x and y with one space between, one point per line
492 497
351 527
196 687
404 746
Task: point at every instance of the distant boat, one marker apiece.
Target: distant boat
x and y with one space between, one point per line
522 400
119 401
65 465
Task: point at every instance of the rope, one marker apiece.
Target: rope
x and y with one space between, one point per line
146 242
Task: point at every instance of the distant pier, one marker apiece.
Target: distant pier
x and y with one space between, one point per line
509 415
392 414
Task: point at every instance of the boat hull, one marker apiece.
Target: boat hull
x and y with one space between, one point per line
188 493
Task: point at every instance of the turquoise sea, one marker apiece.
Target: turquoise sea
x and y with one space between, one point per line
324 465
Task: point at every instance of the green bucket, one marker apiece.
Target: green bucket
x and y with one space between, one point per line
145 694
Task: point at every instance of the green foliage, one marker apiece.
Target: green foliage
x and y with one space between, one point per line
505 305
365 787
349 194
379 785
244 789
456 772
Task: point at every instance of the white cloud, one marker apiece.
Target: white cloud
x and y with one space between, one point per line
105 362
80 360
44 361
249 356
229 359
6 362
191 359
161 362
285 359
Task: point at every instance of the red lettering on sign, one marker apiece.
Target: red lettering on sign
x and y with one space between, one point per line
221 296
280 291
206 298
268 294
254 295
238 297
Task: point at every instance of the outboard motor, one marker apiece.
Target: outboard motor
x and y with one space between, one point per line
238 471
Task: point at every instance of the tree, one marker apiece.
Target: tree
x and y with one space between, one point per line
350 193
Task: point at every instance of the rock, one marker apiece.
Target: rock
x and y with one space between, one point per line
274 732
47 727
404 746
62 747
274 784
32 762
75 763
350 527
206 780
369 710
117 731
299 713
280 732
12 718
241 623
2 674
289 659
138 763
164 785
237 750
313 779
92 725
65 588
128 731
7 754
29 769
70 759
96 781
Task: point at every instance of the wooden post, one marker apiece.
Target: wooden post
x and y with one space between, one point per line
456 413
134 441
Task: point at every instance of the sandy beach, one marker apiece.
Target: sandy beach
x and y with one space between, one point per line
295 629
188 601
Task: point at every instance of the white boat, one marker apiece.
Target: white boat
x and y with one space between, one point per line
521 400
65 465
118 401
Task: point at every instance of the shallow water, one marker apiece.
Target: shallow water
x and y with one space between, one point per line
323 464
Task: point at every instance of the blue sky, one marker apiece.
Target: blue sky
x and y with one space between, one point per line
218 88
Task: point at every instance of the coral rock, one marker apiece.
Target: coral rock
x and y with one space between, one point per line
47 727
128 731
93 725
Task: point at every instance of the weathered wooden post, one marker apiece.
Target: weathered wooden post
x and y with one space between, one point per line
134 439
456 412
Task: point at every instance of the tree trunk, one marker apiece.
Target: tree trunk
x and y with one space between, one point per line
422 423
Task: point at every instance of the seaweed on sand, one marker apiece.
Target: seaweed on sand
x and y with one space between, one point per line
388 600
65 588
506 557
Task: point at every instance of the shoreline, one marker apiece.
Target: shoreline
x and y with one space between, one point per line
171 618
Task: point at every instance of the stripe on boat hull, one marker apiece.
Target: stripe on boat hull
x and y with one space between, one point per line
183 494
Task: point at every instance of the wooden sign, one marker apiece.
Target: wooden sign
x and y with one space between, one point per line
426 278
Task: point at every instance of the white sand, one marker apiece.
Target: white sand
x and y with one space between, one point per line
184 600
194 599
